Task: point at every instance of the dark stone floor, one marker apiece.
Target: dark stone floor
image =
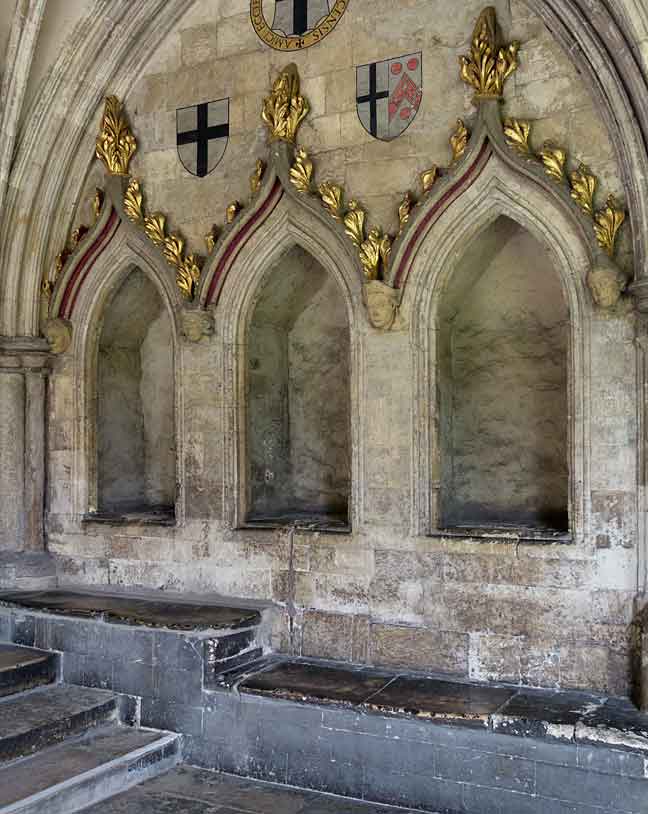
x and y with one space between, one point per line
193 791
185 615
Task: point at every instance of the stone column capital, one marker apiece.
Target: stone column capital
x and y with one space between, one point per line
24 353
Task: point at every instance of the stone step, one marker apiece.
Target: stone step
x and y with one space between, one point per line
23 668
39 718
162 649
85 770
426 742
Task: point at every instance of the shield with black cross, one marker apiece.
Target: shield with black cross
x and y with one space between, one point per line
293 18
388 95
202 133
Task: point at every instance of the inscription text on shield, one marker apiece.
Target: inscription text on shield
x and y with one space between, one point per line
290 25
202 133
388 95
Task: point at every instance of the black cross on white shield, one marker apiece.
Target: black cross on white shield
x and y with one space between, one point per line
202 134
296 17
388 95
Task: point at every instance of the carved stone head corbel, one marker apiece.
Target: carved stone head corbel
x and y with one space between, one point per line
58 333
196 324
382 303
606 283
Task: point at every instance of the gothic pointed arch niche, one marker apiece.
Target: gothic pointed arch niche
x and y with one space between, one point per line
502 403
134 392
500 316
298 452
290 305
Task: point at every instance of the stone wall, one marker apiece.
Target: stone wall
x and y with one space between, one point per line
385 593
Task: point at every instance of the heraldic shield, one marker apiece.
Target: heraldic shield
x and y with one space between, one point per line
389 95
297 17
202 133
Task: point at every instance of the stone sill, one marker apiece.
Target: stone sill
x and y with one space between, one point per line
251 525
141 519
511 534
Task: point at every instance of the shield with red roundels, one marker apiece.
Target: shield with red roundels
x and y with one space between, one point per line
388 95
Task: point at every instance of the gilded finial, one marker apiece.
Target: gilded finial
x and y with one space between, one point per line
257 176
488 65
284 110
115 143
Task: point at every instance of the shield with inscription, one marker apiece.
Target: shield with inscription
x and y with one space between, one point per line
388 95
202 133
289 25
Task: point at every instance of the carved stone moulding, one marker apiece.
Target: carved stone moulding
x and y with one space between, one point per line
381 257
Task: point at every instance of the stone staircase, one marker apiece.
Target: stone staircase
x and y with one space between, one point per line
64 747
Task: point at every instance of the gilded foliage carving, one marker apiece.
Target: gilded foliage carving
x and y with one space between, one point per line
459 140
187 267
285 109
582 183
488 66
607 223
257 176
115 142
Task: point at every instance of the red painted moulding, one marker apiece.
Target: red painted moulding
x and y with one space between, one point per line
240 239
85 263
456 190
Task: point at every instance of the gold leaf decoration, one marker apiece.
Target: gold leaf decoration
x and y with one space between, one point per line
188 276
517 134
232 211
115 143
583 187
488 66
301 172
429 178
284 110
459 140
77 236
354 221
607 223
155 228
133 202
376 249
257 176
173 249
210 239
404 210
332 195
97 203
554 159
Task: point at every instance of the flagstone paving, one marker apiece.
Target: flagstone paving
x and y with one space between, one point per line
193 791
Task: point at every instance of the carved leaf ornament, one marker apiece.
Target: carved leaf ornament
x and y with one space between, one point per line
485 69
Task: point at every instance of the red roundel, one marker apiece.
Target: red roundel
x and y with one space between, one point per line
396 67
406 112
412 64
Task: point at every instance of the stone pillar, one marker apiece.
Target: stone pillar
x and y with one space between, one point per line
23 370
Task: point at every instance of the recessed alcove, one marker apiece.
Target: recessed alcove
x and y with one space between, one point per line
502 352
135 426
298 448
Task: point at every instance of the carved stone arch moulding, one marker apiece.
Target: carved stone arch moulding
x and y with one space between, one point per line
382 261
497 190
292 223
111 268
